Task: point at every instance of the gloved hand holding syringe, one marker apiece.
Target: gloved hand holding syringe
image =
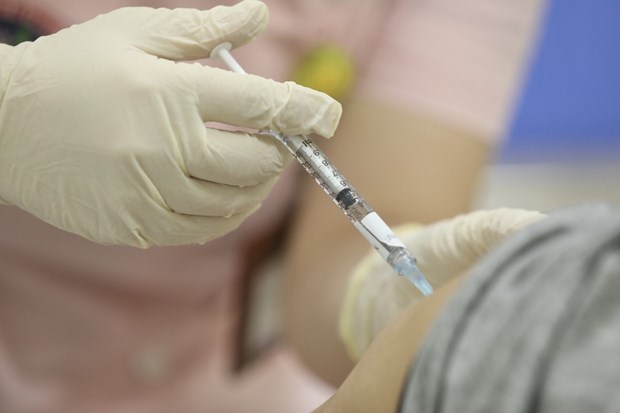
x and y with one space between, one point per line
364 218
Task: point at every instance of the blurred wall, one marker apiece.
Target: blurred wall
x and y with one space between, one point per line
570 107
564 144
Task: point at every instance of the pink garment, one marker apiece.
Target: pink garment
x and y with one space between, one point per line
87 328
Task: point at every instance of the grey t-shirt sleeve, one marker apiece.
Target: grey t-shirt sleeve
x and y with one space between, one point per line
535 328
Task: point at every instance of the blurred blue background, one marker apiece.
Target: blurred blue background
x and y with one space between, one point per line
564 143
570 108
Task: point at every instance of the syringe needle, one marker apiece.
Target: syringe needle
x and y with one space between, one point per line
364 218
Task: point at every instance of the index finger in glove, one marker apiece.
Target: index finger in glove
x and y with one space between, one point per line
254 102
185 33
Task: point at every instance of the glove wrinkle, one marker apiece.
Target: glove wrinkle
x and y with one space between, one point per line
102 136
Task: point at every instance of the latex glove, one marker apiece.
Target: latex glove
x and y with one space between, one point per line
102 131
375 294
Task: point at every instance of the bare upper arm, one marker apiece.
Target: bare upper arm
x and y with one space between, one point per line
375 384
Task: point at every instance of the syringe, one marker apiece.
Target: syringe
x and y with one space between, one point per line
364 218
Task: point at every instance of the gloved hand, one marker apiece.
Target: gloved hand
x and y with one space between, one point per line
375 294
102 130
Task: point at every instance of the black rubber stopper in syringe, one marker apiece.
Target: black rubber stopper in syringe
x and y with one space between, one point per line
346 198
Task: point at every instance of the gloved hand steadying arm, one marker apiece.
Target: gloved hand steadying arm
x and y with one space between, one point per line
375 294
102 129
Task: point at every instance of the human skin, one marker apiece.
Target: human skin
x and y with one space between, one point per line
410 149
409 168
375 384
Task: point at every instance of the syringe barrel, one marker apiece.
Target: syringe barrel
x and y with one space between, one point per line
364 218
316 163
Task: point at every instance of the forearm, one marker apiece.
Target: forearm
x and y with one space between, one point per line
408 169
